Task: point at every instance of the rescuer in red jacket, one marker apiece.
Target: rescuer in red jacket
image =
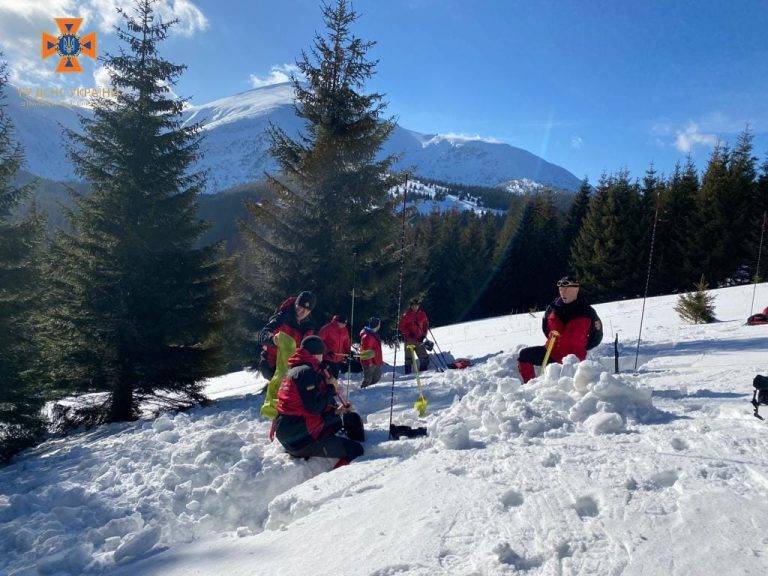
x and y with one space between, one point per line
293 317
369 340
577 326
335 336
414 326
309 415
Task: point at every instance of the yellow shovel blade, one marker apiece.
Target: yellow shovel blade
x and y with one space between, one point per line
421 406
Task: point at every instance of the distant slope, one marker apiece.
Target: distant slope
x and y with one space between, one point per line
235 149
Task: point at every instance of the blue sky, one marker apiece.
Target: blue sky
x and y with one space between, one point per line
592 86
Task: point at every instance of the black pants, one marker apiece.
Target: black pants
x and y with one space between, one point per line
331 447
532 355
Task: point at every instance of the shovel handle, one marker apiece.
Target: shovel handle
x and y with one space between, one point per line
550 345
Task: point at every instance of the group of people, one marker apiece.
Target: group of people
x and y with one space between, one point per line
311 410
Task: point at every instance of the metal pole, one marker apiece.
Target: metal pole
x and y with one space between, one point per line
399 304
757 272
647 279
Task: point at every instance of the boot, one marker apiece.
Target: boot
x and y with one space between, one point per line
340 463
407 368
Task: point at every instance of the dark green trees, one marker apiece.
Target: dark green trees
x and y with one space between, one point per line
20 286
134 305
331 207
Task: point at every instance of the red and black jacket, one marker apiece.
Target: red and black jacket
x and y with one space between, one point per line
579 327
414 325
284 320
306 404
336 340
369 340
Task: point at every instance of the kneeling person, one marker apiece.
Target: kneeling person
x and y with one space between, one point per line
308 414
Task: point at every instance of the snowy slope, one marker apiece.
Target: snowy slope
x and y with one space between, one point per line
663 472
235 148
435 198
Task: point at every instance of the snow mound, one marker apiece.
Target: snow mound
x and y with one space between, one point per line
567 397
128 491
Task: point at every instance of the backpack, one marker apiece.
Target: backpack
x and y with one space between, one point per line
760 394
595 331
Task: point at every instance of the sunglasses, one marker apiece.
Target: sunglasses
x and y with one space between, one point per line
567 284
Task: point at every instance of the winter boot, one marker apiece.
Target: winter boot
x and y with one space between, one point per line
340 463
527 371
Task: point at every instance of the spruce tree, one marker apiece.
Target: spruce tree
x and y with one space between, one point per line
611 242
576 213
21 397
331 205
530 264
135 305
697 307
677 229
727 213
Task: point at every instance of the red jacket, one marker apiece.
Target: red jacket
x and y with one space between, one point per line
284 320
305 403
336 340
414 325
573 323
369 340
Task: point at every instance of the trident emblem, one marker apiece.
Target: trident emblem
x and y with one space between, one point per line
69 46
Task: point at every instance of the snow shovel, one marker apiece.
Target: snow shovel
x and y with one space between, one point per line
286 346
550 345
421 404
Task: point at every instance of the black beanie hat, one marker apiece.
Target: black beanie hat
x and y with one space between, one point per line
306 299
374 322
313 345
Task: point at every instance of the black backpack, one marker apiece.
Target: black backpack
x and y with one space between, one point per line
760 395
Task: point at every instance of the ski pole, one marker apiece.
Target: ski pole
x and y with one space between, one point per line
352 313
551 344
438 347
399 306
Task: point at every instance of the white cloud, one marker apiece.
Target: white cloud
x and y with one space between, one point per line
454 137
277 75
577 142
22 22
101 77
691 136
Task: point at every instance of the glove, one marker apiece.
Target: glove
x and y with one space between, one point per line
429 345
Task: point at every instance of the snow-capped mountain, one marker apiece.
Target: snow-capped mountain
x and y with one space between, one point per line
235 148
522 186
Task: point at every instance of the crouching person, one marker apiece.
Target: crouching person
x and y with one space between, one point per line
308 415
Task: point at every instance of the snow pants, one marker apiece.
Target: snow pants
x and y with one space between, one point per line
331 447
527 359
371 375
422 354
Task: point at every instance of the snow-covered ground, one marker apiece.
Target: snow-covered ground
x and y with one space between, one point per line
662 472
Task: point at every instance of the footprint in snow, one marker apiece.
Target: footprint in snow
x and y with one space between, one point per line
661 480
512 499
586 507
679 444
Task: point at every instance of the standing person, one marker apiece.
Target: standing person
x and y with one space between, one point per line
576 323
414 326
293 318
308 416
335 336
369 340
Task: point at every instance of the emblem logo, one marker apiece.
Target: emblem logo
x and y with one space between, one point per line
68 45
